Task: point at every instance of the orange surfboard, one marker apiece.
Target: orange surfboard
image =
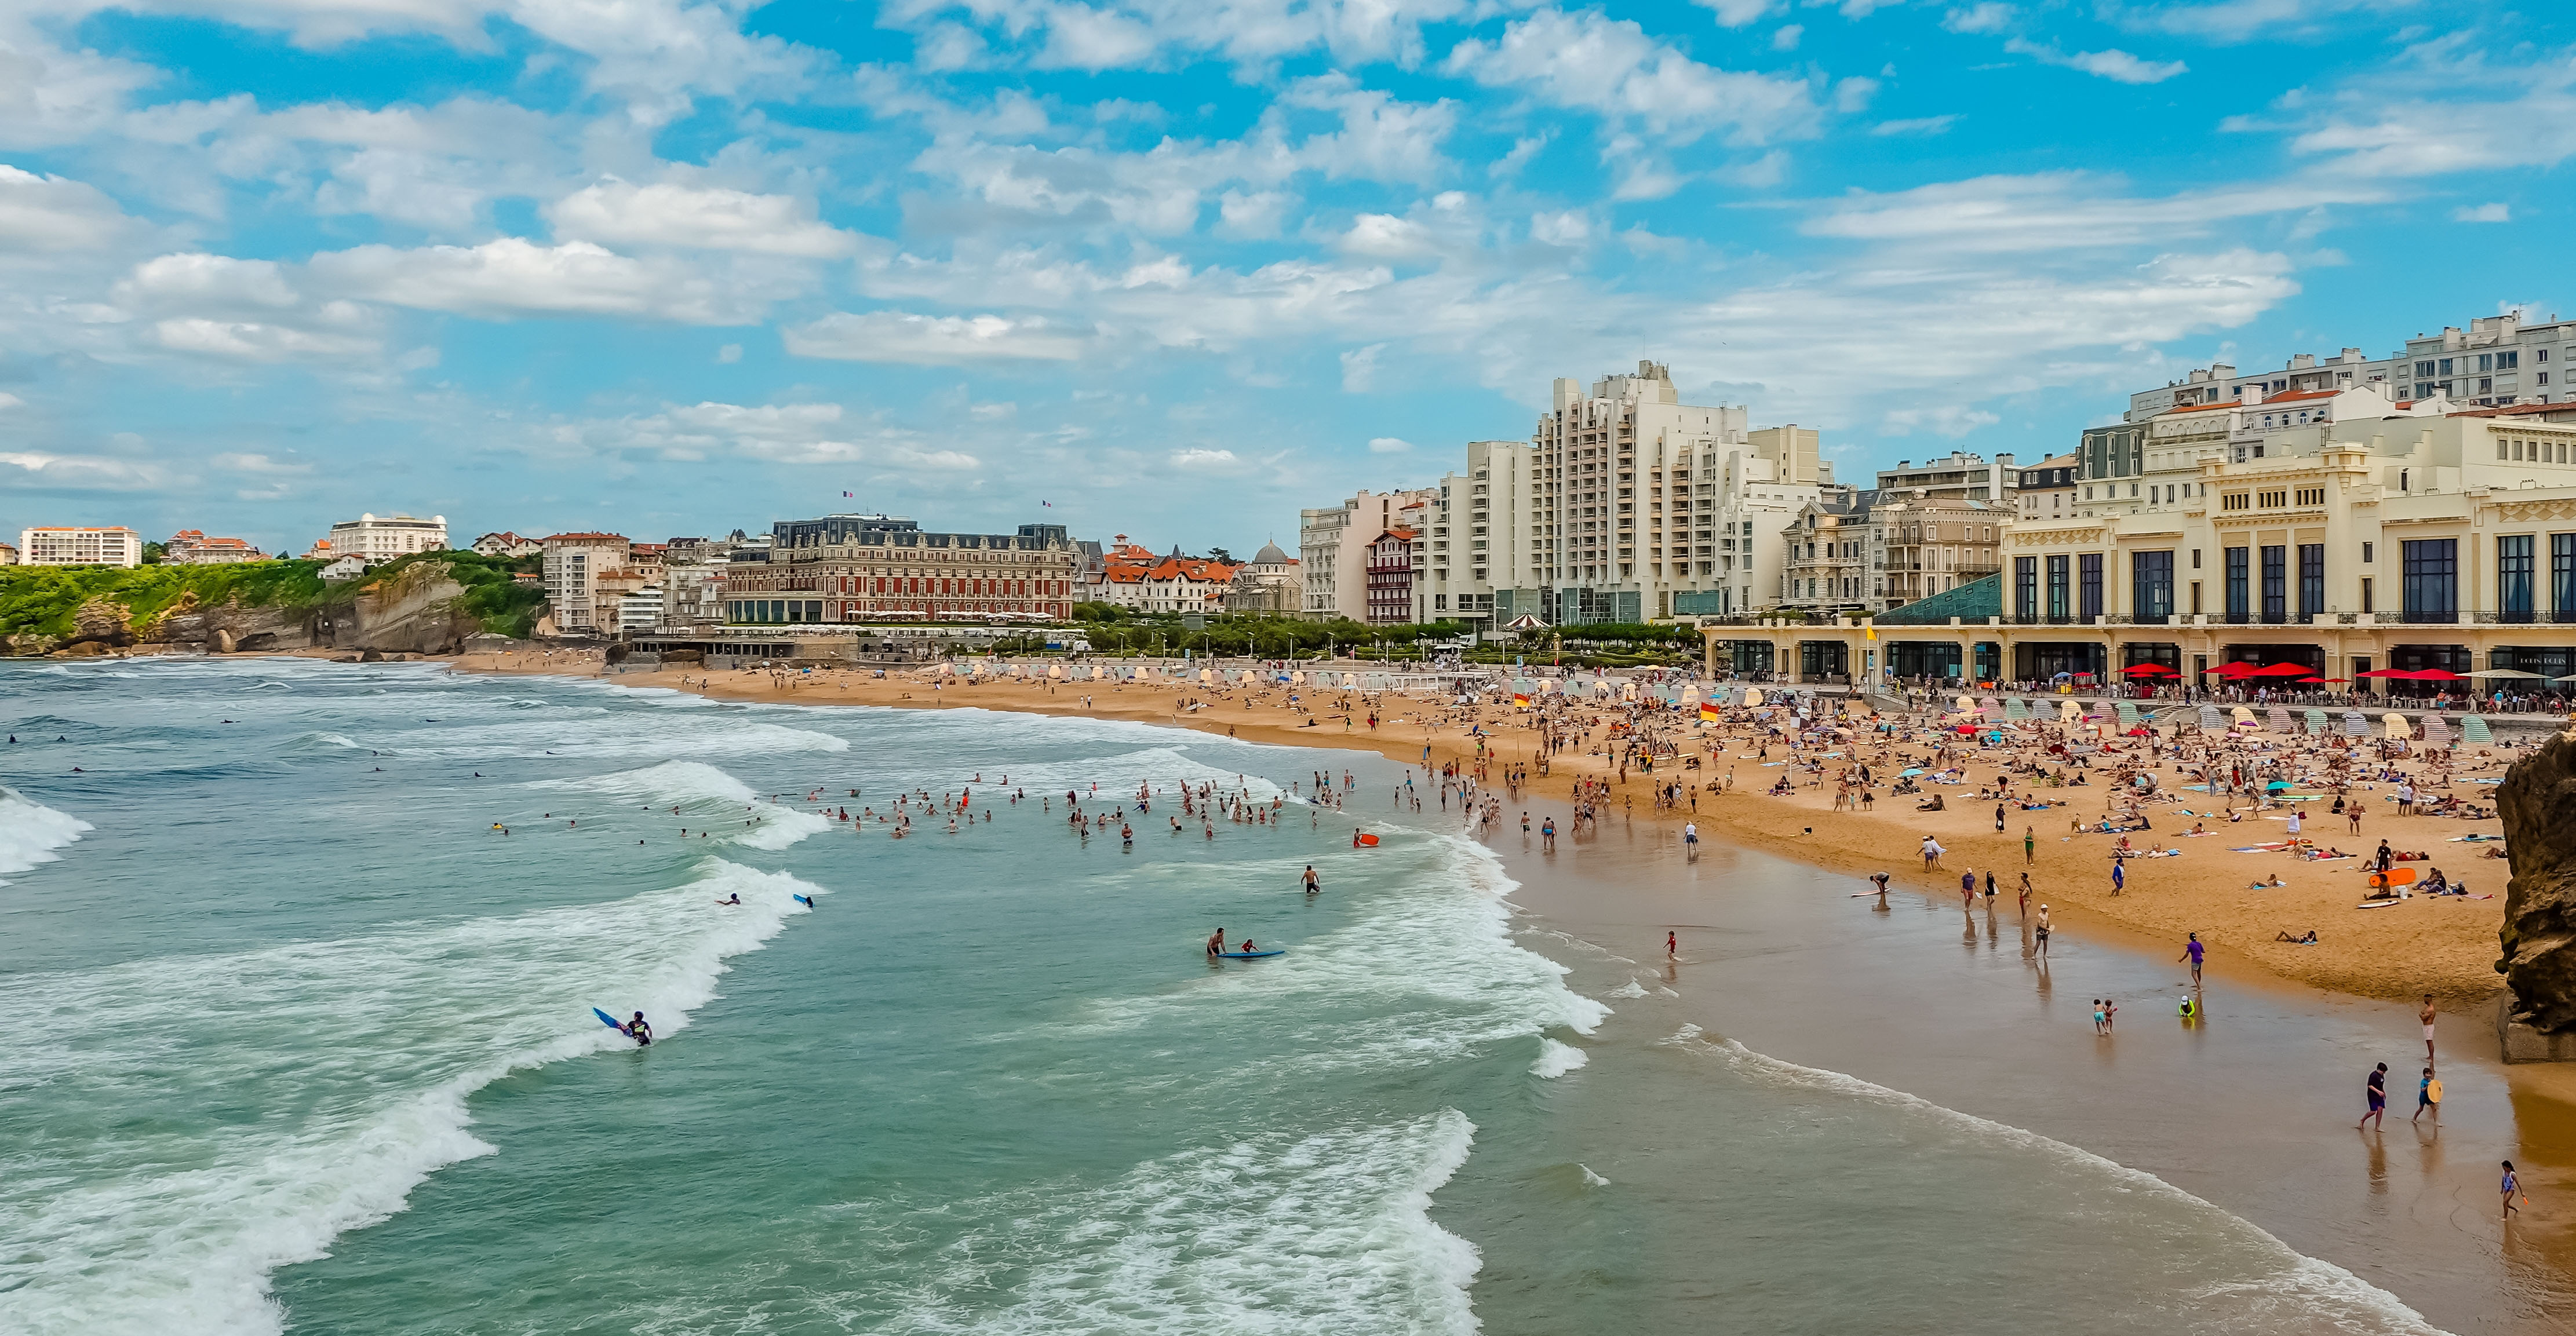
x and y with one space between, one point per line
2396 876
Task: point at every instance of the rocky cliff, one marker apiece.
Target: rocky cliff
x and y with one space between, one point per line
2538 803
417 606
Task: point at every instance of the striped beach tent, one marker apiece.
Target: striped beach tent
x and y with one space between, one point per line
2242 716
2355 725
1991 708
2210 722
2016 710
2128 713
2316 721
2436 732
2278 719
2398 729
2474 730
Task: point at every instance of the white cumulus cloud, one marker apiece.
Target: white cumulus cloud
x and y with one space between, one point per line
706 218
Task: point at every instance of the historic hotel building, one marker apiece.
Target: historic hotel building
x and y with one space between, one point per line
871 568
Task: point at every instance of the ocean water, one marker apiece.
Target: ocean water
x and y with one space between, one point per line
305 1045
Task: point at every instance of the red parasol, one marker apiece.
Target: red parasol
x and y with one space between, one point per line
2146 670
2384 672
2233 670
2284 670
2305 680
2433 675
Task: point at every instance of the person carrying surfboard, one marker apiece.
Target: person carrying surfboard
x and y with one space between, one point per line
640 1029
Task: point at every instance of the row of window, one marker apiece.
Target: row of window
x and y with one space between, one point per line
2258 580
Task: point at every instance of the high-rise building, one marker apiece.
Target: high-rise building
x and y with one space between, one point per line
574 563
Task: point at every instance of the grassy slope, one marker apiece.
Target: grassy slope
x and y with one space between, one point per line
43 600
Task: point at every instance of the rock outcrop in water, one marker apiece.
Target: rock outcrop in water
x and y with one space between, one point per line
2538 804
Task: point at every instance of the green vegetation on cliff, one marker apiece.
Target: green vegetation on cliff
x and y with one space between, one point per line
46 600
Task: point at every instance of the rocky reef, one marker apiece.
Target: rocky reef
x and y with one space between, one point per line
2538 804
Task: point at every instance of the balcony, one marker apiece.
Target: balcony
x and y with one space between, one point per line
2430 617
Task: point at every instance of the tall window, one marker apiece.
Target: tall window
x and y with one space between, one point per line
2237 592
2056 587
2562 575
2026 587
2276 582
2432 579
2312 579
2151 578
2088 584
2514 562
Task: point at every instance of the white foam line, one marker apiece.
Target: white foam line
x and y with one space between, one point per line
2315 1279
30 832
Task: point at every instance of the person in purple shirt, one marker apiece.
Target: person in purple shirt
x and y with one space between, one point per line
2191 951
2378 1094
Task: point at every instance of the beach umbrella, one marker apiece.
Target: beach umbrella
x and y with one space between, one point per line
2433 675
2384 672
2282 670
2504 672
2233 670
2474 730
2305 680
2148 670
2398 729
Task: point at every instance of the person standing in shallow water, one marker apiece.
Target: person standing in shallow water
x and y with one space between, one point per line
2376 1091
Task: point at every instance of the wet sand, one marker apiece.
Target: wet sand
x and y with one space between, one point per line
2250 1108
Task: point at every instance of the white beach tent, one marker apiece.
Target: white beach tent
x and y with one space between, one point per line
2398 728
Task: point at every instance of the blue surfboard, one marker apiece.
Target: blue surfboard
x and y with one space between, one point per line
1252 955
610 1021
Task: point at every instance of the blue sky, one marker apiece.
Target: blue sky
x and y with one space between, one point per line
1178 267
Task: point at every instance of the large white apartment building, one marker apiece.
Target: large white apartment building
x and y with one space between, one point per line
1640 506
374 538
80 545
2497 360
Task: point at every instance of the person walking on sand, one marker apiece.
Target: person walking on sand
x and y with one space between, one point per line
2426 1016
2119 874
2376 1090
1968 890
2428 1095
2029 845
2025 895
2191 951
1932 852
2040 932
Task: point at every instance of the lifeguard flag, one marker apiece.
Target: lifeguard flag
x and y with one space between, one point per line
1520 700
1707 713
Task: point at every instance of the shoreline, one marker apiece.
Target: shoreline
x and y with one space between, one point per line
2445 947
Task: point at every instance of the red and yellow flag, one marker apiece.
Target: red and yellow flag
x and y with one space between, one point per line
1707 712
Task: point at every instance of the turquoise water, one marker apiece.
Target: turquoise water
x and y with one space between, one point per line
306 1046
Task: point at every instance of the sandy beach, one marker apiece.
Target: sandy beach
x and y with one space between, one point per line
2444 946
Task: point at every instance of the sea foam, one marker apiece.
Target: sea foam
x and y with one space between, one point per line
30 832
127 1215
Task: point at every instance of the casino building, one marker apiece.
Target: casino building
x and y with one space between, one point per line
844 569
